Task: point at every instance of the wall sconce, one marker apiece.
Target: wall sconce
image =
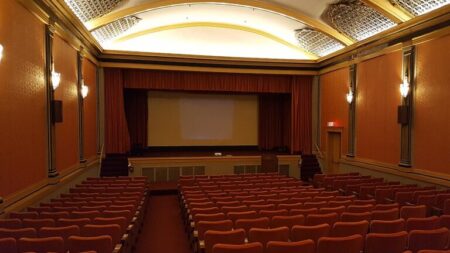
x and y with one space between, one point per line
404 87
1 52
56 79
84 90
349 96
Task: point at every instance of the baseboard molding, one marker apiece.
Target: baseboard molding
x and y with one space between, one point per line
38 191
391 170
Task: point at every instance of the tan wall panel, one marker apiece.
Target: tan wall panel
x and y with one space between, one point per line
90 109
333 87
65 58
377 130
22 99
432 107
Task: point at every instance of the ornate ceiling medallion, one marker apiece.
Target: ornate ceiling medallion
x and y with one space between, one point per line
317 42
356 19
114 29
86 10
419 7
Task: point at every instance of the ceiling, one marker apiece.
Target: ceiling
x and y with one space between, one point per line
272 29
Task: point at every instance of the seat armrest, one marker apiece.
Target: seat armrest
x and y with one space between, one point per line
117 248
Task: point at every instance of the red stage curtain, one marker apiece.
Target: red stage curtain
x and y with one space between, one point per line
200 81
136 111
117 138
274 118
295 132
301 115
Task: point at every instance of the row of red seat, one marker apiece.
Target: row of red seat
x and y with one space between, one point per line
205 200
101 221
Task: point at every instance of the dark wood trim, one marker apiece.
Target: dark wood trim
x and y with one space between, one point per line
352 112
406 129
80 106
51 136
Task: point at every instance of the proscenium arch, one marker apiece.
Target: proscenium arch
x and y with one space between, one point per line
272 7
217 25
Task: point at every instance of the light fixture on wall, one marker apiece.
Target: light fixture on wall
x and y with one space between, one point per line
56 78
349 96
1 52
404 87
84 90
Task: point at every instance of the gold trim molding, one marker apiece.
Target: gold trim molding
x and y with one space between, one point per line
217 25
273 7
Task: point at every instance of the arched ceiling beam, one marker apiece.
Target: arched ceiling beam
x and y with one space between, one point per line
301 17
389 10
217 25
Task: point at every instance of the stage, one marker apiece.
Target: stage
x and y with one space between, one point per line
169 165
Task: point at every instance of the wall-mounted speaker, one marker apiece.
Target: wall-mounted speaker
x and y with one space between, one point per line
57 111
403 114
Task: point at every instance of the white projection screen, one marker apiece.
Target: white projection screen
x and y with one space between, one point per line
197 119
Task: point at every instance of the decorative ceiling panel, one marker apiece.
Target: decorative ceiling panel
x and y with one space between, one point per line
356 19
86 10
114 29
419 7
317 42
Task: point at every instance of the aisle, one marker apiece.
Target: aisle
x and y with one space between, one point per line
163 230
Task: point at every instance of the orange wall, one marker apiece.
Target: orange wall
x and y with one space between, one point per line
22 99
65 59
431 129
90 109
377 130
334 107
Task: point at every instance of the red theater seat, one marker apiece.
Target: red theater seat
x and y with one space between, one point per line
422 223
23 215
203 226
99 244
389 214
300 233
8 245
389 242
113 230
38 223
407 212
387 226
348 216
48 244
316 219
342 229
64 232
264 235
247 224
10 223
17 233
225 237
69 222
287 221
306 246
428 239
254 247
350 244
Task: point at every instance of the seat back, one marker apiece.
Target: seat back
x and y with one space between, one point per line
348 216
54 215
407 212
64 232
47 244
389 242
11 223
254 247
247 224
23 215
428 239
241 215
99 244
422 223
17 233
316 219
121 221
349 244
306 246
342 229
271 213
8 245
300 233
203 226
63 222
264 235
360 208
389 214
113 230
38 223
287 221
387 226
212 237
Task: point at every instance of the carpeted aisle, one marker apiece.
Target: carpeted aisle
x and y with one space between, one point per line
163 230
